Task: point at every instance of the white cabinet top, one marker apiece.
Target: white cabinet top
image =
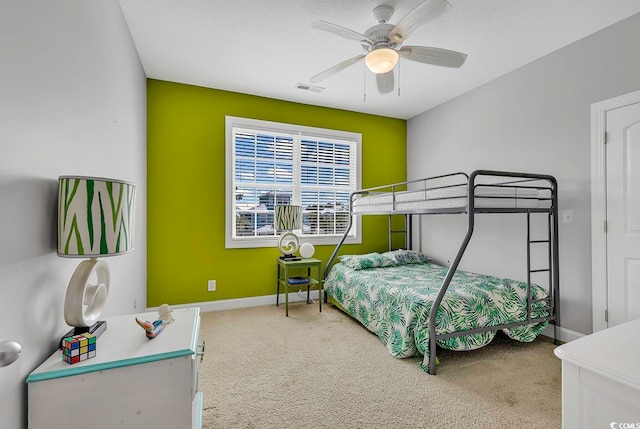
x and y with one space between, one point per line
124 343
613 352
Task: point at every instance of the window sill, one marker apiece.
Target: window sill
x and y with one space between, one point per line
252 242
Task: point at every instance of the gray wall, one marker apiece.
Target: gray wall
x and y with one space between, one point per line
72 101
534 119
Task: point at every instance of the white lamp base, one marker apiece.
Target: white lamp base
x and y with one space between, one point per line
84 302
288 245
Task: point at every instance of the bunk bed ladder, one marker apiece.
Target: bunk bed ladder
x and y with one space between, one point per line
406 231
531 301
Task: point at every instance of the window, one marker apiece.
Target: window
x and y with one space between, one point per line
271 163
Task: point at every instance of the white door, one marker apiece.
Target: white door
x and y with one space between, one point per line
623 213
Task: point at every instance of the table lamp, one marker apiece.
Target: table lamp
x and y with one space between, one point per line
95 219
287 218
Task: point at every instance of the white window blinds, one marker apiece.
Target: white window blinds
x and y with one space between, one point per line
273 166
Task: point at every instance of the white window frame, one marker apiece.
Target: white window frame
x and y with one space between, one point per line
232 122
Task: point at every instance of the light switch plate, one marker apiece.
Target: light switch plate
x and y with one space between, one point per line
567 216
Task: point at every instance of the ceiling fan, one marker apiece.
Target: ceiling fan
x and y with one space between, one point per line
382 43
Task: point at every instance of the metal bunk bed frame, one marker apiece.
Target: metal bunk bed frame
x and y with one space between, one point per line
551 303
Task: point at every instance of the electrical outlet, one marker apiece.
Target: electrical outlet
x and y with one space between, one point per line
211 285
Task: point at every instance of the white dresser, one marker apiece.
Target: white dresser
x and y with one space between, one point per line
133 382
601 379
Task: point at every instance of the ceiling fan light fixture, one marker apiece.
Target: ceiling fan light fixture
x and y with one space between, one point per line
381 60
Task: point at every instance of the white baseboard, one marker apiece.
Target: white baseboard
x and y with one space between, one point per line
565 335
232 304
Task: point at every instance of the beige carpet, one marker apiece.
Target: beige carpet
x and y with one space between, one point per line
324 370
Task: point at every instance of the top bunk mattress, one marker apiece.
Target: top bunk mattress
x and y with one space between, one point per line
453 198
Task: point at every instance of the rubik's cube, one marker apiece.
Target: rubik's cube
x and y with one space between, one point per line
78 348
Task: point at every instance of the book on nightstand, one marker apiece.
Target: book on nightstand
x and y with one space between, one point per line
298 280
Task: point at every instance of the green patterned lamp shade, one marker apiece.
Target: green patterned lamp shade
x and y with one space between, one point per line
288 217
95 216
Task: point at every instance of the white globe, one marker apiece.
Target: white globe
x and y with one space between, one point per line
307 250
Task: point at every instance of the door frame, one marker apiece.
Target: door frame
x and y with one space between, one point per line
599 203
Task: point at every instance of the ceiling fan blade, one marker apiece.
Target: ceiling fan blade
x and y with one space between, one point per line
385 82
419 15
433 56
341 31
335 69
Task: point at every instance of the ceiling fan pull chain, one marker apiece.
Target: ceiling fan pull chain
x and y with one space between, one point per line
364 84
398 78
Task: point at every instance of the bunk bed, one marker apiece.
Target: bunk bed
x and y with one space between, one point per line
409 301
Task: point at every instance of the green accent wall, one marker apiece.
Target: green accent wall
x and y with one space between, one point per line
186 185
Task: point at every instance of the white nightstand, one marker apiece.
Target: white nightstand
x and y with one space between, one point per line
133 382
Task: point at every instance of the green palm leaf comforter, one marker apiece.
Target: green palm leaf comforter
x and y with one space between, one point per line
394 303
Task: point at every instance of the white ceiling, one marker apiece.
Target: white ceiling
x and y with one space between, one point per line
266 47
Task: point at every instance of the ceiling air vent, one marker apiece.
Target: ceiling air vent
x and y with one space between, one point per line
306 87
